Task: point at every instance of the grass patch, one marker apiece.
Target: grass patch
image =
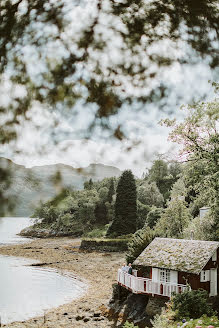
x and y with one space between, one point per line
97 232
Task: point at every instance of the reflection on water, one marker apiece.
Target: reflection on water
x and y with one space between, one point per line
10 227
27 291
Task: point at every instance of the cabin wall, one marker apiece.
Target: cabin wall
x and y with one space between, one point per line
184 277
144 272
218 280
212 264
193 280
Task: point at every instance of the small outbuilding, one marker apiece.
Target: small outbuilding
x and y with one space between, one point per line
171 265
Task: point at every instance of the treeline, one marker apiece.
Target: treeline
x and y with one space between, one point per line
79 212
163 202
113 206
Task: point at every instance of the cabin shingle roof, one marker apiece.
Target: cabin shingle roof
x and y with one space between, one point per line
177 254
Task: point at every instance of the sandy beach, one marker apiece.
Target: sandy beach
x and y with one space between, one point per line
97 270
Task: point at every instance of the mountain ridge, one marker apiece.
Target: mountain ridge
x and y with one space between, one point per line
57 164
32 186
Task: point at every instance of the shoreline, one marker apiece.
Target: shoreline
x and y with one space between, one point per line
96 269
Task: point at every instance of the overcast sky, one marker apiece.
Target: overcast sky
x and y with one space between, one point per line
145 135
145 138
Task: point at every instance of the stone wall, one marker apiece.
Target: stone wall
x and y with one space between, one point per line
108 245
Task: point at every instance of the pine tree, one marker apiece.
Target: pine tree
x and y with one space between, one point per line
100 213
111 191
125 206
88 184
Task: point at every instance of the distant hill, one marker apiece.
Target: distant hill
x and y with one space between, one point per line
31 186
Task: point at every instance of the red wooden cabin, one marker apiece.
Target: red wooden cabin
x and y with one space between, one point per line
169 265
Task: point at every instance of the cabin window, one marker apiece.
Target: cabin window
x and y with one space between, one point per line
204 276
164 275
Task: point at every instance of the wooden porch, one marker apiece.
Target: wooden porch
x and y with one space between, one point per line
139 285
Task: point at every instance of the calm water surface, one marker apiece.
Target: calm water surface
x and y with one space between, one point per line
27 291
10 227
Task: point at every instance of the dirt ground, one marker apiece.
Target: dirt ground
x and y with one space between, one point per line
97 270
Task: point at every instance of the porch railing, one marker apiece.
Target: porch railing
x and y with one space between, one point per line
139 285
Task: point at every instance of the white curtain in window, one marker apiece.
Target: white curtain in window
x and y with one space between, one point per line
174 277
155 274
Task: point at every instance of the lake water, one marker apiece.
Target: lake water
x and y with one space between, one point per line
27 291
10 227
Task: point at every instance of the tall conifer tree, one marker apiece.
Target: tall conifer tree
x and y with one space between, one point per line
125 206
111 191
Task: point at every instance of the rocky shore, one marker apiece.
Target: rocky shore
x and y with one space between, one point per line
97 269
35 231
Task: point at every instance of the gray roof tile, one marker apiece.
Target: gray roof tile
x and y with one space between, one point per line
177 254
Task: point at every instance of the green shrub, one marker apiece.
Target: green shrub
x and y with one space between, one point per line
191 304
141 239
97 232
142 212
129 325
161 321
58 198
48 214
153 216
